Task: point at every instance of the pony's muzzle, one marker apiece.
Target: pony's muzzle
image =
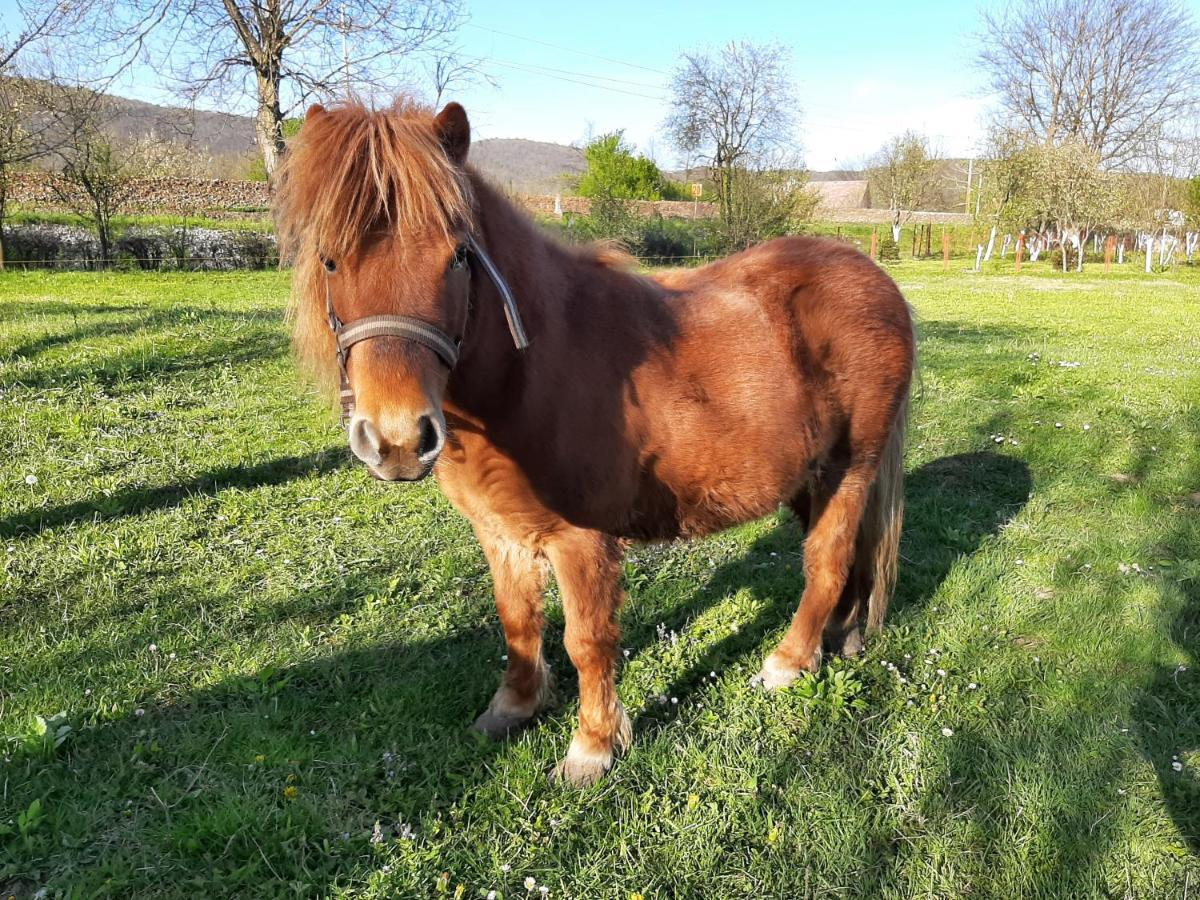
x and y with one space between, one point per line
403 451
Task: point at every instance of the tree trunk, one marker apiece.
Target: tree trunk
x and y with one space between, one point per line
1149 252
991 244
3 210
105 238
268 123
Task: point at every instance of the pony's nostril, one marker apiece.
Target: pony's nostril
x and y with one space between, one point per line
429 436
366 442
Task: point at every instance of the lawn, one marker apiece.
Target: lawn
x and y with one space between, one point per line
233 664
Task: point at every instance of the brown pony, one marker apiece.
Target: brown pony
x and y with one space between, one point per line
644 408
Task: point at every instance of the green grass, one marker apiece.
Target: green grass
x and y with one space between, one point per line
233 664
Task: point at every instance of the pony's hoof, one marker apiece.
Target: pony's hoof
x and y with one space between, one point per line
500 727
581 770
852 644
776 674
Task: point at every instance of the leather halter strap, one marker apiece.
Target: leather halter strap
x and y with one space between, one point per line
417 330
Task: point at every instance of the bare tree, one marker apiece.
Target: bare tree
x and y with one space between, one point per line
1155 201
25 127
904 172
99 175
1007 171
1105 73
733 110
282 53
1070 190
449 68
38 19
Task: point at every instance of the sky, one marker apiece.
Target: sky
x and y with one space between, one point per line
861 75
562 71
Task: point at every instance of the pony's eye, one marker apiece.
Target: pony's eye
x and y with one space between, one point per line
330 266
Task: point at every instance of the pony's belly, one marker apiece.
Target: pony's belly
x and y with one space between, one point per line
697 507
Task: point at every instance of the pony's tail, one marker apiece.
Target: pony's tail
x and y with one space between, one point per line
882 521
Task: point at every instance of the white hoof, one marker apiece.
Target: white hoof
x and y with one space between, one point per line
775 675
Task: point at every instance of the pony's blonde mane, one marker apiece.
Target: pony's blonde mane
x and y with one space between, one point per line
350 172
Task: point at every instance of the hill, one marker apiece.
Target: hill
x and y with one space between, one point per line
527 167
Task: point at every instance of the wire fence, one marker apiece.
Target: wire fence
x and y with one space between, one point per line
169 263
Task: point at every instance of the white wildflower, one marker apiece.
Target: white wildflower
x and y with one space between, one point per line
31 480
530 883
947 732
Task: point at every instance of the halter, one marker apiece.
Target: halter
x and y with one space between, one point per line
417 330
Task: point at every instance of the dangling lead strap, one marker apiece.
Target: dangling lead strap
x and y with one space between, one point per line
515 326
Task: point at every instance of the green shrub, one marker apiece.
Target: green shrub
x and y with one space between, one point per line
614 172
889 250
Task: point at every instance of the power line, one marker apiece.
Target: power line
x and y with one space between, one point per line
591 75
521 37
550 74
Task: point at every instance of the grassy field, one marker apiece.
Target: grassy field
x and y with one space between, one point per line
233 664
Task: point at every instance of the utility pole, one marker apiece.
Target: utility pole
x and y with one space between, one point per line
970 175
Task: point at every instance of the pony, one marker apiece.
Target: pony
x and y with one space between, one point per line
617 407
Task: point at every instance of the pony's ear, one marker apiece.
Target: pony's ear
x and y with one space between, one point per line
454 131
313 111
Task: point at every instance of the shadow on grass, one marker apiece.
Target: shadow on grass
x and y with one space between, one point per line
137 501
201 784
259 336
952 505
1166 715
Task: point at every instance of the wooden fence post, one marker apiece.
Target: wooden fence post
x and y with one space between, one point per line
1110 244
1020 251
874 242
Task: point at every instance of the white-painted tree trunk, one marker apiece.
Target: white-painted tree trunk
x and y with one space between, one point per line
978 256
896 233
1149 252
990 244
1004 246
1121 252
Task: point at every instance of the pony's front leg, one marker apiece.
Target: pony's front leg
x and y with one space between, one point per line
519 577
588 568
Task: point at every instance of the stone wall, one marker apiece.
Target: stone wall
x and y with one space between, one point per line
230 199
157 196
223 199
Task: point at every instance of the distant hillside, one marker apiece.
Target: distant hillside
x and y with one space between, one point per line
218 134
222 136
527 167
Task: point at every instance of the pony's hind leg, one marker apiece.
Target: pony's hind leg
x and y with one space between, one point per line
828 559
842 634
588 568
520 579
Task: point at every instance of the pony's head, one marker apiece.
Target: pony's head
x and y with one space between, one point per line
373 206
